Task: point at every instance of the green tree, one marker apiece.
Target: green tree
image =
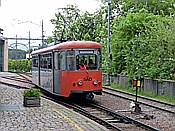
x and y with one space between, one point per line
142 34
72 24
143 43
64 22
157 7
49 40
22 65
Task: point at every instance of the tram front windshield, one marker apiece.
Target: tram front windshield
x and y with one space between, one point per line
86 62
82 61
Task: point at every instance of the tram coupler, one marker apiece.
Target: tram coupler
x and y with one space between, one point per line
89 96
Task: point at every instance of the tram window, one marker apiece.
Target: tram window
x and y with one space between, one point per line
56 62
90 61
70 60
46 61
42 61
62 61
49 63
35 61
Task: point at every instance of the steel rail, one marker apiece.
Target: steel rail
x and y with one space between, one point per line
143 97
77 108
25 80
17 79
13 85
81 110
22 74
123 118
95 118
139 102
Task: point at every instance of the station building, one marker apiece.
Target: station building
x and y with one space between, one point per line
3 52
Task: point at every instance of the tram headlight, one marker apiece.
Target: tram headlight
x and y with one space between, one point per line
80 82
95 82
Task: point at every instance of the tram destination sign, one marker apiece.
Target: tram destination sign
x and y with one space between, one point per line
87 52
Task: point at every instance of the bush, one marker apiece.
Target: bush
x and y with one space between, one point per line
32 93
19 65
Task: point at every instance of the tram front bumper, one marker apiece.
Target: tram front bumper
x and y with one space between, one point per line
97 92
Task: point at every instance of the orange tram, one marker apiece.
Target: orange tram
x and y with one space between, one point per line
68 69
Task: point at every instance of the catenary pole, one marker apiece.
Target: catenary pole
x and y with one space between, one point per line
42 34
108 63
16 54
29 54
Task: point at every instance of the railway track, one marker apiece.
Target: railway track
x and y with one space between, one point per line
102 115
164 106
110 119
26 76
19 80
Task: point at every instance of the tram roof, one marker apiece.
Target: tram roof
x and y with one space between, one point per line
69 45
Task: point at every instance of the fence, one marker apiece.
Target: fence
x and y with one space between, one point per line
165 87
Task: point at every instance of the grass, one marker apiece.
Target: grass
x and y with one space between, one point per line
151 95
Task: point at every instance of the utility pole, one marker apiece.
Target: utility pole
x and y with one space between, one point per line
55 39
29 54
16 54
109 55
42 34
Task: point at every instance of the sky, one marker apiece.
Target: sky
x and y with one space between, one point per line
16 14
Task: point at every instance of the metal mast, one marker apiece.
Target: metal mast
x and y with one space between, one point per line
108 77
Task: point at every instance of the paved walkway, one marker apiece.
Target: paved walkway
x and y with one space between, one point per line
48 117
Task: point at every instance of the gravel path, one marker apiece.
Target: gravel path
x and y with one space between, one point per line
162 120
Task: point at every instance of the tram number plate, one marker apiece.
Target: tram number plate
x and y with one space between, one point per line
87 78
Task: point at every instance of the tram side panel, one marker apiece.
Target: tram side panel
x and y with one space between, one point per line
46 79
42 73
56 78
35 78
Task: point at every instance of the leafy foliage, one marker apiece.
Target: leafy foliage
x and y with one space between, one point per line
142 35
32 93
19 65
143 43
157 7
71 24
